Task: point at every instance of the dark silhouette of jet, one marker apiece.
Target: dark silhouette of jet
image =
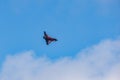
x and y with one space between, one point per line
48 39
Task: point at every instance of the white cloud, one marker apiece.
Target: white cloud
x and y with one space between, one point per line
99 62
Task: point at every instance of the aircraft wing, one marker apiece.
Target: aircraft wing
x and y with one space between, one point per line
46 42
45 34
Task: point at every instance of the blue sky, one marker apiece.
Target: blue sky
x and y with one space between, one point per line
77 24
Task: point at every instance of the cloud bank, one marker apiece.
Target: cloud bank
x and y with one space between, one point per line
98 62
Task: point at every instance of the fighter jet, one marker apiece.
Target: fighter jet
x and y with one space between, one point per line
48 39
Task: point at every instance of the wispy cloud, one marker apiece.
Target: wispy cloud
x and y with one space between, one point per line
99 62
106 7
64 6
18 6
